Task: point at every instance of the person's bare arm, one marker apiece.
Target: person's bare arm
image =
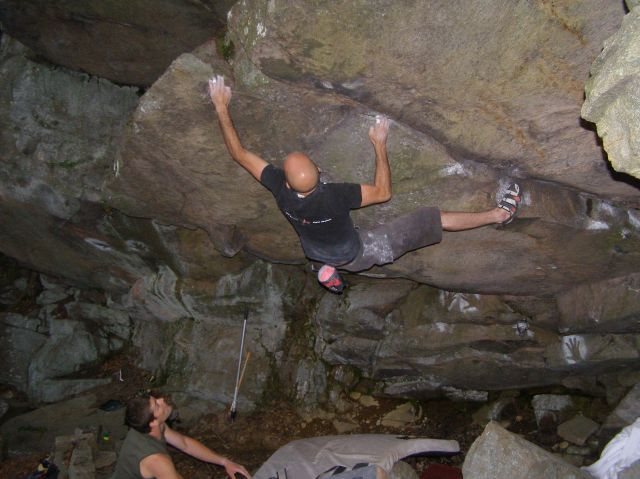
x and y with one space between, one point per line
221 96
195 448
380 191
159 466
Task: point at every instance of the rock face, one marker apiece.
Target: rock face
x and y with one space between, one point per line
135 194
130 43
499 82
192 169
67 334
612 96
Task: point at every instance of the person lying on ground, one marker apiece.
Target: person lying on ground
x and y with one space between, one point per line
144 453
320 212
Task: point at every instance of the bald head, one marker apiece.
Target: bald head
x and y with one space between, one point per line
301 173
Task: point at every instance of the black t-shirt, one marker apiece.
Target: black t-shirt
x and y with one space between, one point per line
321 219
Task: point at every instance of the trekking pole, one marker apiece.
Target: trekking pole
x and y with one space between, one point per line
234 403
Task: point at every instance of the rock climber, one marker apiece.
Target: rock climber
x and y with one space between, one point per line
144 452
320 212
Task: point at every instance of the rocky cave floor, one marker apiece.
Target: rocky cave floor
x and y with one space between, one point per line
253 436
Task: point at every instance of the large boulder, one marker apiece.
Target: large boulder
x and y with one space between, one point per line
500 453
137 196
612 100
175 167
127 43
499 82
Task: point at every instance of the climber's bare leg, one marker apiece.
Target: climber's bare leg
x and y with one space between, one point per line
459 221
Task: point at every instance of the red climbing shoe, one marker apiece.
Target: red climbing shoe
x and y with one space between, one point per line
330 279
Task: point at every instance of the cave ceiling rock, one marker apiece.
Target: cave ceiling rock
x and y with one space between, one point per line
129 43
465 118
498 81
174 166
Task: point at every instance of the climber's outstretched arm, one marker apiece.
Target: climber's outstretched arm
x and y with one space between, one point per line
221 96
380 191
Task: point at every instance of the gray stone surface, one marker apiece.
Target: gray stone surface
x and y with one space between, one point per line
42 350
130 44
105 459
498 453
612 100
626 412
555 405
257 226
53 291
578 429
81 464
491 411
61 355
20 336
54 390
612 305
402 416
469 96
43 112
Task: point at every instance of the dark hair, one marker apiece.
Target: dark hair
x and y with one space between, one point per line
138 414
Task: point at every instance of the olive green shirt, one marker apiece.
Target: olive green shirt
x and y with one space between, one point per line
135 448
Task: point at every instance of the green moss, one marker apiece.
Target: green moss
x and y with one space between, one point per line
225 48
66 164
176 362
273 391
298 345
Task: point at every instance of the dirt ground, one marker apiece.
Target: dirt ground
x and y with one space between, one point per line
251 439
253 436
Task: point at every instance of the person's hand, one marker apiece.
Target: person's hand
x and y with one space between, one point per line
232 469
219 93
378 132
